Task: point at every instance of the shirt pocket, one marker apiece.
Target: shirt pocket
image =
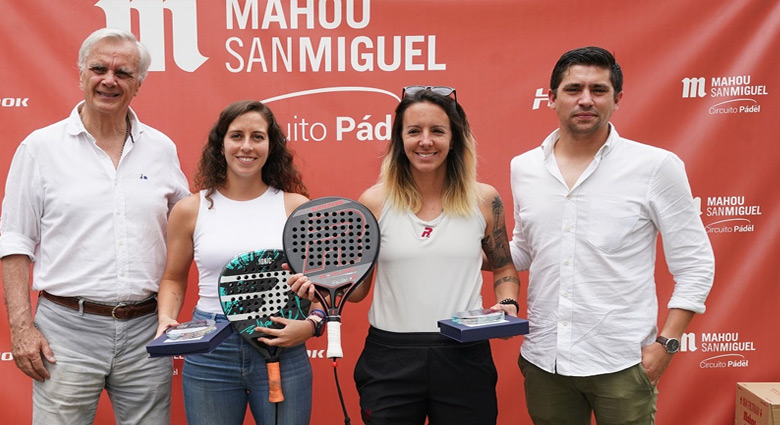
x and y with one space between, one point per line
611 224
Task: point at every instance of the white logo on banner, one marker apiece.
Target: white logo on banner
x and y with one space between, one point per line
14 102
151 27
688 342
365 128
319 52
724 360
693 87
541 96
720 342
316 354
732 213
737 86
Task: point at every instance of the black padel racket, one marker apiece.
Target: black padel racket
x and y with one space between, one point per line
253 288
334 242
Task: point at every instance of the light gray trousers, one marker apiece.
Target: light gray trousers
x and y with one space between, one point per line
94 353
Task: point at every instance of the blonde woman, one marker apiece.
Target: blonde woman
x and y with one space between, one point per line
436 221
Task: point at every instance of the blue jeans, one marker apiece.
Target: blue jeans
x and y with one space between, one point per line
218 385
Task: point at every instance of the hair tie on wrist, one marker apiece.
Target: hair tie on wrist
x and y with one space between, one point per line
316 321
510 301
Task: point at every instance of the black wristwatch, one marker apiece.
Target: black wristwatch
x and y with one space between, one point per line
672 345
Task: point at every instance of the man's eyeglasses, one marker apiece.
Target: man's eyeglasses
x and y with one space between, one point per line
442 90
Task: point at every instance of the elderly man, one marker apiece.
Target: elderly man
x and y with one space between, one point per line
86 203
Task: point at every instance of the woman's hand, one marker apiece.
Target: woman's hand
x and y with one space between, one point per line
301 285
164 323
293 333
509 309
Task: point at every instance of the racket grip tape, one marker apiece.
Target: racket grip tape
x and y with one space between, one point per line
334 340
274 383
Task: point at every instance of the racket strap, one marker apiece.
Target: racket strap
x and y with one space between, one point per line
341 396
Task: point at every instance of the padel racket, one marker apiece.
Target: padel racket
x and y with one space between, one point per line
253 288
334 242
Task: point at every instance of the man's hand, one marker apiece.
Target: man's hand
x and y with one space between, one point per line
29 348
28 345
655 360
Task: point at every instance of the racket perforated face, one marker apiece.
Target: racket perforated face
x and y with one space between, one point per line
334 242
253 288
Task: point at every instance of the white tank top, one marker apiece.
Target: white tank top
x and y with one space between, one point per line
230 228
426 270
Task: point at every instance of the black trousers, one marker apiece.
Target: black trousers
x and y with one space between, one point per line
402 378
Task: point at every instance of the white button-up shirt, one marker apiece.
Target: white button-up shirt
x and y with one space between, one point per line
92 230
590 251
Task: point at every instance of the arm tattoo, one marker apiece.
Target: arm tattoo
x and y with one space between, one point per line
506 279
496 244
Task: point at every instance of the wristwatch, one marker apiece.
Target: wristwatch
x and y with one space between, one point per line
672 345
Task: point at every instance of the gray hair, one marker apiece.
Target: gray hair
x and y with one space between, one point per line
144 58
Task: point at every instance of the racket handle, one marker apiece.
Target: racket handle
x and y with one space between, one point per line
274 383
334 340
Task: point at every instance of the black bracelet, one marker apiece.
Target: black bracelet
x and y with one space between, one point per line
509 301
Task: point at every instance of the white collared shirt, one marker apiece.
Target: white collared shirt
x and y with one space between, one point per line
591 253
92 230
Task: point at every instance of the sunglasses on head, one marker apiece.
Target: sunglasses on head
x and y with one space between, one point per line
442 90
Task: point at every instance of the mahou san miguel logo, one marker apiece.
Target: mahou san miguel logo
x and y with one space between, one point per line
742 90
728 214
272 36
248 51
718 349
184 28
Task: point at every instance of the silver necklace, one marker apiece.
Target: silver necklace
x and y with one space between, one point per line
127 134
127 127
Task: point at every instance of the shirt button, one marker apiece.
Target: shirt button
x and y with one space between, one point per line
565 323
566 263
568 229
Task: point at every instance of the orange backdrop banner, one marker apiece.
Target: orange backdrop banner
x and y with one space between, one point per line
701 80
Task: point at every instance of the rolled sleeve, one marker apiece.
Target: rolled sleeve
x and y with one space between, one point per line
20 225
14 243
687 247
